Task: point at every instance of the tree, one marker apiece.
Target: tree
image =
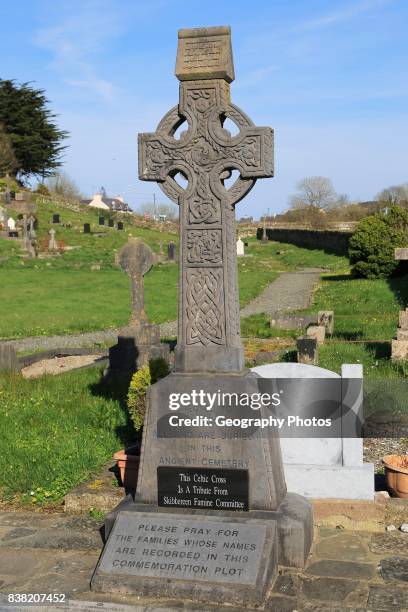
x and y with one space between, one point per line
394 195
31 128
316 191
371 247
8 160
62 185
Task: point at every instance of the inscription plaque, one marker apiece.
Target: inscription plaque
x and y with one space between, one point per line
214 489
164 546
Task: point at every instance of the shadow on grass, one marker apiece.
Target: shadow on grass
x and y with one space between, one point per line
345 335
338 277
399 286
116 389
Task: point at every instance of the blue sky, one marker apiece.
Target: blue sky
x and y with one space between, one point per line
330 76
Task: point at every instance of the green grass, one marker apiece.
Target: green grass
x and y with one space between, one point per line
63 295
57 431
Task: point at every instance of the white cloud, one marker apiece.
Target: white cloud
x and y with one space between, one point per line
75 43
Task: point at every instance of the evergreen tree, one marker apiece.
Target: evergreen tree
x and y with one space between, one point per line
8 162
30 126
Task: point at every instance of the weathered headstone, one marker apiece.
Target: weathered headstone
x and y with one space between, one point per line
230 471
240 248
171 251
264 238
316 331
8 358
101 220
139 341
56 218
28 244
291 322
307 351
52 244
327 467
3 217
399 345
31 227
87 228
326 318
120 225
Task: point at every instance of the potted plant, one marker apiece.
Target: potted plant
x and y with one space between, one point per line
128 459
396 473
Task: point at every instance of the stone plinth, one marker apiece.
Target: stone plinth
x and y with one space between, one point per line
399 345
318 332
307 351
326 318
8 358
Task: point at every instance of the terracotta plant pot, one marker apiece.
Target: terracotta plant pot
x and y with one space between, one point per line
128 464
396 472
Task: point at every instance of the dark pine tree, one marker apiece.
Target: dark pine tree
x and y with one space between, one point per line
31 128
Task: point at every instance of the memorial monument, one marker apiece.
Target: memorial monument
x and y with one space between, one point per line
211 517
139 341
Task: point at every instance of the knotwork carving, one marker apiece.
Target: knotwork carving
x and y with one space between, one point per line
204 247
205 307
205 155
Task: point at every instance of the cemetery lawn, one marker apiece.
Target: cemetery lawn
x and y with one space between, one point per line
65 296
57 431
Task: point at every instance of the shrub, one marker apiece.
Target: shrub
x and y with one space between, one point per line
141 381
371 248
42 189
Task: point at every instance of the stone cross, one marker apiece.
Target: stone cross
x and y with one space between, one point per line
136 259
31 231
52 245
205 155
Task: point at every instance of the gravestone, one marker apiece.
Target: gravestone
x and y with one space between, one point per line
171 251
111 223
52 244
240 248
56 218
139 341
120 225
8 358
101 220
232 472
399 345
316 331
326 318
27 245
87 228
3 217
326 467
31 229
307 351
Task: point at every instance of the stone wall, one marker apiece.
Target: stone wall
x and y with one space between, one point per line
327 240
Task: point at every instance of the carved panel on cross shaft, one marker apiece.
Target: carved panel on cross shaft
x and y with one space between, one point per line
205 306
204 247
204 210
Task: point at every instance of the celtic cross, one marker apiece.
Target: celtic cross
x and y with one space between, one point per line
136 259
205 155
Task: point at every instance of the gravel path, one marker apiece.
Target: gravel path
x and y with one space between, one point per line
290 291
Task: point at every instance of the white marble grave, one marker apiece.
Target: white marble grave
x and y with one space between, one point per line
240 247
324 468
